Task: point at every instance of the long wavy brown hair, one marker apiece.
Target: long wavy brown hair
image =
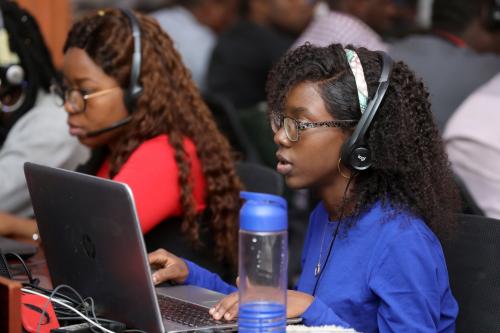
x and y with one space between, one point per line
169 104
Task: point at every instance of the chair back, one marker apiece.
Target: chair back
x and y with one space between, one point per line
256 124
226 117
469 205
473 260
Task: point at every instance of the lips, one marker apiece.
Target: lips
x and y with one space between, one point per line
76 130
284 166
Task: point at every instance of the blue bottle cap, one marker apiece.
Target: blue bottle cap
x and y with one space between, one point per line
263 212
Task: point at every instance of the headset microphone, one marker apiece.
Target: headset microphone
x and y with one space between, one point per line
111 127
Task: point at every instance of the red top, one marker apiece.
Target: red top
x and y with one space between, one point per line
153 176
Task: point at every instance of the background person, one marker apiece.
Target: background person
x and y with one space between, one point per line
356 22
32 127
448 51
472 142
193 26
245 53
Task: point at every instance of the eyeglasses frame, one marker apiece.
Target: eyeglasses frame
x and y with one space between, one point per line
303 125
65 93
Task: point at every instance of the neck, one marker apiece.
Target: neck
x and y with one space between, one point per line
333 197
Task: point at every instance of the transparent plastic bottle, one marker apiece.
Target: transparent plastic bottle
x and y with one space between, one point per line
263 261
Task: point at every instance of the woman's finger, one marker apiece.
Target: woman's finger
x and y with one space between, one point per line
158 257
225 306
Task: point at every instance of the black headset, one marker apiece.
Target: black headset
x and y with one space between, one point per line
135 88
11 74
493 15
355 154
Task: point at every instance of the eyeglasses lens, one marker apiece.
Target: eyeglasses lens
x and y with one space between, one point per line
290 129
75 99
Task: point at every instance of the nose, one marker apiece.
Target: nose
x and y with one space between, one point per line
69 108
280 138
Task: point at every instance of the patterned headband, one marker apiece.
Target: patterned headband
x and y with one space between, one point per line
359 78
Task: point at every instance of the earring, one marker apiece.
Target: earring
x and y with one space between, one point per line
340 170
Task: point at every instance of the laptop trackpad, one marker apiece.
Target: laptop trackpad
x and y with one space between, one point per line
192 294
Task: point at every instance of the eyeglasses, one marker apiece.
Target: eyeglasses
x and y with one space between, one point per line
77 98
293 127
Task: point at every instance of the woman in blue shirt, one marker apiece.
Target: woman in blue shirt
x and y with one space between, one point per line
371 260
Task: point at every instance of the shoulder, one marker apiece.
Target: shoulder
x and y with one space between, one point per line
469 123
395 226
416 46
159 149
45 116
398 243
179 22
46 104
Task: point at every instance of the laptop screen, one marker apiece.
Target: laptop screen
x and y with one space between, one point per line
93 243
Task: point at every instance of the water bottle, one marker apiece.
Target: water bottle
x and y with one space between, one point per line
263 261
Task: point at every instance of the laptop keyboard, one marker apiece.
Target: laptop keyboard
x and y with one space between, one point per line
187 313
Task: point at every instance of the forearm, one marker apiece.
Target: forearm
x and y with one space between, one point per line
203 278
319 314
13 226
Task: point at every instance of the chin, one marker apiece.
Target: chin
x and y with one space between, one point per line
294 183
89 142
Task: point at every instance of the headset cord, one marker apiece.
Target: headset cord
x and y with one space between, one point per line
341 216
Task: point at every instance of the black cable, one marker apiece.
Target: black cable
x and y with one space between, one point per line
86 305
75 303
49 301
32 281
344 199
99 320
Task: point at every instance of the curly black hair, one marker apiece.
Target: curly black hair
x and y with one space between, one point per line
410 170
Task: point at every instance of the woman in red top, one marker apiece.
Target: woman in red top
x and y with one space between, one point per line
127 92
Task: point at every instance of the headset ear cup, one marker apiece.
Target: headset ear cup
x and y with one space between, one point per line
131 99
360 158
14 75
355 158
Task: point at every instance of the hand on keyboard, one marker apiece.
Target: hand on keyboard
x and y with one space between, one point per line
168 267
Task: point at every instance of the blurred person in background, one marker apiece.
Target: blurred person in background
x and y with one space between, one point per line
446 58
405 20
472 141
193 26
32 127
356 22
245 53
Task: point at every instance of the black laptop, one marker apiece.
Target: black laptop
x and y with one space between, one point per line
93 243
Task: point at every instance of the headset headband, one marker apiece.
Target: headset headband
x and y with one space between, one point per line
367 117
135 89
354 152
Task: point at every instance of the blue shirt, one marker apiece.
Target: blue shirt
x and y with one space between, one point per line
387 273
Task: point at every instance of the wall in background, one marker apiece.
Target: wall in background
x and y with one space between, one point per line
54 18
